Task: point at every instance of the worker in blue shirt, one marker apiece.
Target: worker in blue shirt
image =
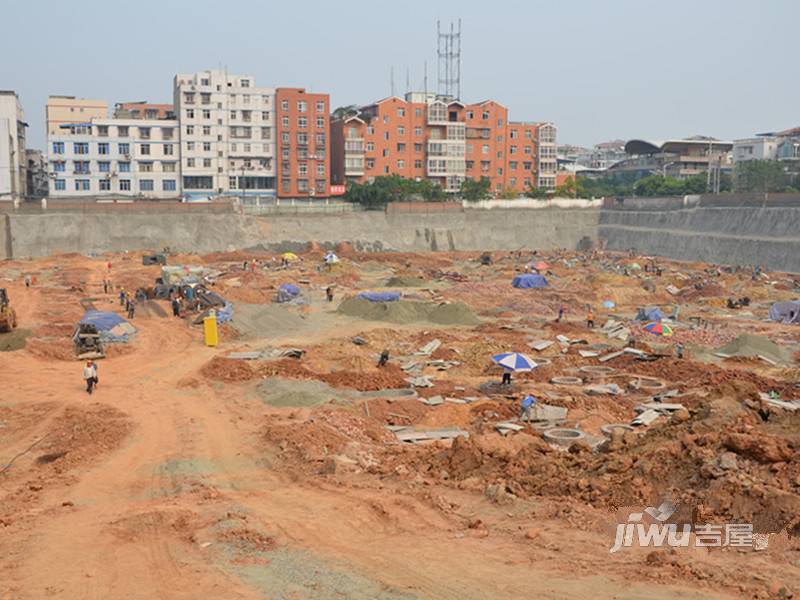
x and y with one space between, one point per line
528 402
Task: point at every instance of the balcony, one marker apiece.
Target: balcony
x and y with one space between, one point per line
353 167
353 146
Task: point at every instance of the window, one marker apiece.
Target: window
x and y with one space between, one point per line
512 165
320 122
320 106
190 130
284 105
417 164
58 147
286 185
201 182
401 130
207 162
321 186
320 140
144 133
285 154
168 185
265 115
167 133
168 167
58 166
105 185
80 148
470 114
82 185
469 148
302 185
370 146
233 114
206 129
144 149
122 131
104 166
401 112
484 149
124 185
124 167
245 83
370 163
370 130
102 130
206 146
168 150
513 150
417 131
401 164
190 113
285 122
401 147
124 148
417 148
513 134
247 149
513 182
146 185
527 165
302 169
266 133
189 162
190 146
302 139
145 167
485 115
385 152
417 112
189 98
206 114
302 122
499 122
81 166
527 149
320 169
285 137
301 106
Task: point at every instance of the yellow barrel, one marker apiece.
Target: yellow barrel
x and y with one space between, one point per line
210 329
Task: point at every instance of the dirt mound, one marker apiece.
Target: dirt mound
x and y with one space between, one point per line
14 340
228 370
52 349
293 392
406 312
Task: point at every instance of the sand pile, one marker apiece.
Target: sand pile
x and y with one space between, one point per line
14 340
748 344
293 392
399 281
259 320
406 312
227 370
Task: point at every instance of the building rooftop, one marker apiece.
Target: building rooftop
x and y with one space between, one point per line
675 146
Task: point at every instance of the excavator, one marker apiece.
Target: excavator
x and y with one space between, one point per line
8 318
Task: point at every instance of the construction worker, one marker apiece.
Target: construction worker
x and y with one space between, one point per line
506 377
176 307
329 293
384 358
131 309
527 405
561 311
105 286
122 296
590 319
90 376
27 281
679 350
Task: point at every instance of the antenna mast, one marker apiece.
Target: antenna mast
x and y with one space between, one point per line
448 49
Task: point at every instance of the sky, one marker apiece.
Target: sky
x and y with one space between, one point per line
600 70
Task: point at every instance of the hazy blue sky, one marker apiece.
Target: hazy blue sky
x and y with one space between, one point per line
598 69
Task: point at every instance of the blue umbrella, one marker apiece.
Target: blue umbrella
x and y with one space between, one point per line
514 361
608 304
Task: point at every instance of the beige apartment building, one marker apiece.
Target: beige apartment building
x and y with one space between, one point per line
13 161
69 110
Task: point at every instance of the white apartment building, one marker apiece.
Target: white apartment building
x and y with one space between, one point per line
13 161
227 134
115 157
547 156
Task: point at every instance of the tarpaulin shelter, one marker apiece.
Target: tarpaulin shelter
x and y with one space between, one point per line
288 292
531 280
785 312
650 313
111 327
380 296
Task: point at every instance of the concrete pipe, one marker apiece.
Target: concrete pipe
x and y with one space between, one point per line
563 437
647 383
566 380
611 427
598 370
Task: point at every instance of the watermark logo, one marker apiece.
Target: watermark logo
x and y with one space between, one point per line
652 528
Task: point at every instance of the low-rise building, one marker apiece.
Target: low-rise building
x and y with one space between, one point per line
143 110
680 158
13 160
67 110
115 157
37 174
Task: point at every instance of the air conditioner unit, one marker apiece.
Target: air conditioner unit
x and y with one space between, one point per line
127 156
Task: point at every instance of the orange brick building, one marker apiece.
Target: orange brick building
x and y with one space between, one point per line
303 143
443 140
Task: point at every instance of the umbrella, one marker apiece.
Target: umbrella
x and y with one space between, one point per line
289 256
541 266
635 266
514 361
658 328
608 304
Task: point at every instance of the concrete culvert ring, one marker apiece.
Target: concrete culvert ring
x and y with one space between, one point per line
545 425
563 437
598 370
542 361
648 383
566 380
611 427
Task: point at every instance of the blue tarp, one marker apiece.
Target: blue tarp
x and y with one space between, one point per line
531 280
380 296
649 314
290 289
785 312
225 313
104 321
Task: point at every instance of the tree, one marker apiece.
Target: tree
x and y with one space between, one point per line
472 189
393 188
344 111
536 192
566 189
759 176
508 194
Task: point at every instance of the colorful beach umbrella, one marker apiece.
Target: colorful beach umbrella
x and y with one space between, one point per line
289 256
541 266
658 328
514 361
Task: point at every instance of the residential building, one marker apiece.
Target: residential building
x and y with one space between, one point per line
779 145
37 173
227 129
115 157
442 140
143 110
303 126
13 161
67 110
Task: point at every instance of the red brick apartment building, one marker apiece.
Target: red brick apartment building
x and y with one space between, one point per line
303 143
445 141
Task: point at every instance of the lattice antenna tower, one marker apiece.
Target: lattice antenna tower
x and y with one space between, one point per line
449 52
